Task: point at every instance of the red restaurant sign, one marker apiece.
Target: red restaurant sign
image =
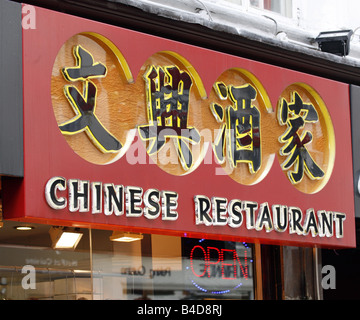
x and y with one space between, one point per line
123 130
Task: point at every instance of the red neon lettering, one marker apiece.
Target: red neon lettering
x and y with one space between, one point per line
220 258
233 264
244 270
191 261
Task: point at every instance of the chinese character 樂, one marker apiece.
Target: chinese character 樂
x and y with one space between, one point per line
295 115
168 94
240 131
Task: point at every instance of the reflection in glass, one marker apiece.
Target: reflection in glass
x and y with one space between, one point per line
156 267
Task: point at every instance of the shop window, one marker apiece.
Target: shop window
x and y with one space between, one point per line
173 268
290 273
31 270
299 274
156 267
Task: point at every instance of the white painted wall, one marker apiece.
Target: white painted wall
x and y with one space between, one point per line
328 15
296 28
308 16
313 15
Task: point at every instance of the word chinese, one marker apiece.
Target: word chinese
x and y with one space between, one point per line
220 212
117 199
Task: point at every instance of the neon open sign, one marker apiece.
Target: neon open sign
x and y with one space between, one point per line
213 256
217 270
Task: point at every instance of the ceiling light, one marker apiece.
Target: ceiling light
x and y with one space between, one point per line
336 42
121 236
24 228
64 237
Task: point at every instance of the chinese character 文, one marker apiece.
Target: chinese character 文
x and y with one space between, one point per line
295 115
84 105
240 130
168 93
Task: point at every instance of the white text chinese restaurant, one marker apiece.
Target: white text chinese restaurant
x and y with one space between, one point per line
175 171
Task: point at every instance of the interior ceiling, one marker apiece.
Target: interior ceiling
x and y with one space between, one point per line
8 232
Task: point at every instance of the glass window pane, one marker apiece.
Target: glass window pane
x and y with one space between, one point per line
172 268
217 269
31 270
157 267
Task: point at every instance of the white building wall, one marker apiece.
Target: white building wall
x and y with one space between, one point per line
322 15
312 15
294 28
